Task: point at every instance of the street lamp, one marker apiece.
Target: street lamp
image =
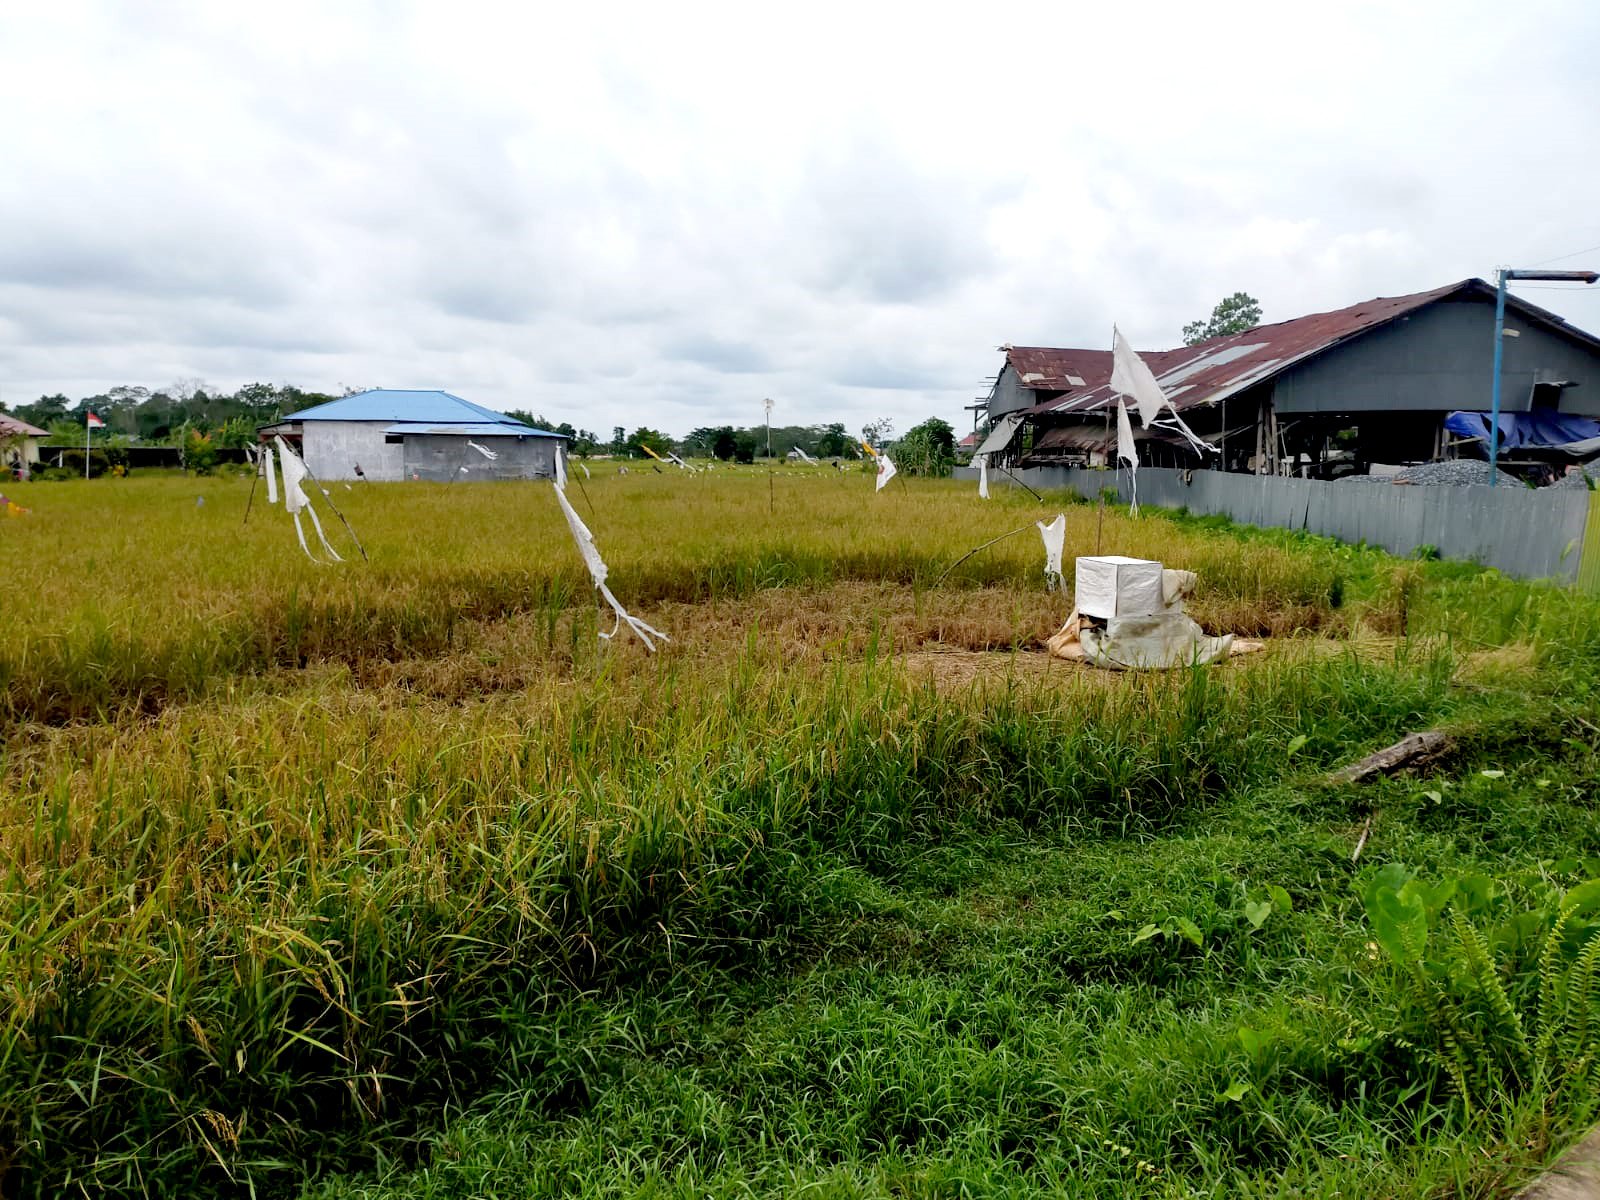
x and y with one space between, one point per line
1499 347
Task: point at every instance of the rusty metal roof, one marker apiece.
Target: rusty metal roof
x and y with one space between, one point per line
13 426
1224 366
1044 369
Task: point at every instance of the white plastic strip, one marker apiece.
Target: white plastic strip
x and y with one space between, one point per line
1055 538
269 464
597 572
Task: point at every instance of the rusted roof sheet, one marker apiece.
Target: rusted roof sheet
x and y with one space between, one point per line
1222 367
1042 368
1095 436
12 426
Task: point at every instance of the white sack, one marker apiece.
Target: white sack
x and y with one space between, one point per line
1159 642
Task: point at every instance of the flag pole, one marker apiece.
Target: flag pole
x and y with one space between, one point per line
88 441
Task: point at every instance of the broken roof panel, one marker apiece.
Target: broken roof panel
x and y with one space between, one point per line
1044 369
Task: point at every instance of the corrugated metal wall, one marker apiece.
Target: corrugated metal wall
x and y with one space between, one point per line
1439 359
1527 534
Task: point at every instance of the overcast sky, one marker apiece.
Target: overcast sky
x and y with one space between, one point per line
660 215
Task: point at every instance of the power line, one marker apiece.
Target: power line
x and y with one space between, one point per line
1561 257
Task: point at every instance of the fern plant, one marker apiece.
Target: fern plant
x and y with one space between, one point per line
1501 998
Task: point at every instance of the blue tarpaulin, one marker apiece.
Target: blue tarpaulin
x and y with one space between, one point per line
1532 430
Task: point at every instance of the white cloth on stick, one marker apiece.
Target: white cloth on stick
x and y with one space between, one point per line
597 572
983 476
886 470
269 464
483 450
1055 538
1127 452
295 499
1131 377
294 472
804 457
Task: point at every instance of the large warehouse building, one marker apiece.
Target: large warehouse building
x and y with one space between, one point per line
1389 380
390 434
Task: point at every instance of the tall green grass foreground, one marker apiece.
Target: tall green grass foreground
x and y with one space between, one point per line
245 940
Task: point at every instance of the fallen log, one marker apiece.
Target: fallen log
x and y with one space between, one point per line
1417 749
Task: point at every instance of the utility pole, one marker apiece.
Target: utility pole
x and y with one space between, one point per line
1499 347
772 502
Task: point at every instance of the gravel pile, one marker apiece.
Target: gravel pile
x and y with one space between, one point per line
1462 472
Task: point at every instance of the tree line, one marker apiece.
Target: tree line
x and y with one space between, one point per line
195 415
167 416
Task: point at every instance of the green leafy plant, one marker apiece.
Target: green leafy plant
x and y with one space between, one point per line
1500 997
1170 927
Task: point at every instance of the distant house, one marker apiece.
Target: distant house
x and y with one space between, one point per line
1321 394
390 434
19 442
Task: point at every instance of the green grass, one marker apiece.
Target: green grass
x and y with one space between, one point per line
392 879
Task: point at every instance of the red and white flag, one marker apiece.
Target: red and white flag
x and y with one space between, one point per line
94 422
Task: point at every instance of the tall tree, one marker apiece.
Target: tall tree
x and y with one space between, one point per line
655 439
1238 313
877 431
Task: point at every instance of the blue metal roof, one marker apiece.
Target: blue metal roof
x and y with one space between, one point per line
412 406
472 429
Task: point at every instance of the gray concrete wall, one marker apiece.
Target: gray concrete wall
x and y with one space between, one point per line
333 448
1440 359
1527 534
440 457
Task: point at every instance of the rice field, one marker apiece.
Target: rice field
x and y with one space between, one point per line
395 878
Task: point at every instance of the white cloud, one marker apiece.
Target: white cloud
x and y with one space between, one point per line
661 214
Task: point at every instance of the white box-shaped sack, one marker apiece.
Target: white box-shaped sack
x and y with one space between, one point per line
1110 585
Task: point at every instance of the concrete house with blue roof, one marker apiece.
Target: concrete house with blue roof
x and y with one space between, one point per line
391 434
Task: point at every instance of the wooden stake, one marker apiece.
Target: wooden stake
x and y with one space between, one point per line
252 500
329 498
1023 486
975 549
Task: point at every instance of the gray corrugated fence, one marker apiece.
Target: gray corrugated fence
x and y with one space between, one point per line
1525 533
